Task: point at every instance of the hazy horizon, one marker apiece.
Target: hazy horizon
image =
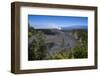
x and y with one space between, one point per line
58 22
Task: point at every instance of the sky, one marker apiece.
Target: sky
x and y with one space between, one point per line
49 22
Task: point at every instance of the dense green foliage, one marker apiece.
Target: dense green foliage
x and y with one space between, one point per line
82 34
80 51
36 50
31 31
62 55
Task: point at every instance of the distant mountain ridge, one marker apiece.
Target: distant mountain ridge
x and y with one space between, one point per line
74 27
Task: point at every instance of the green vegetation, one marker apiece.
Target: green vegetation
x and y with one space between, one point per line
31 31
80 51
37 49
62 55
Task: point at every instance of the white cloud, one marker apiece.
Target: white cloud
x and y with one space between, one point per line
48 26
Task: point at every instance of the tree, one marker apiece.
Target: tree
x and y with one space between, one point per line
31 31
80 51
37 50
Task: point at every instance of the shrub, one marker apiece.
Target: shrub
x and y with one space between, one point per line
80 51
